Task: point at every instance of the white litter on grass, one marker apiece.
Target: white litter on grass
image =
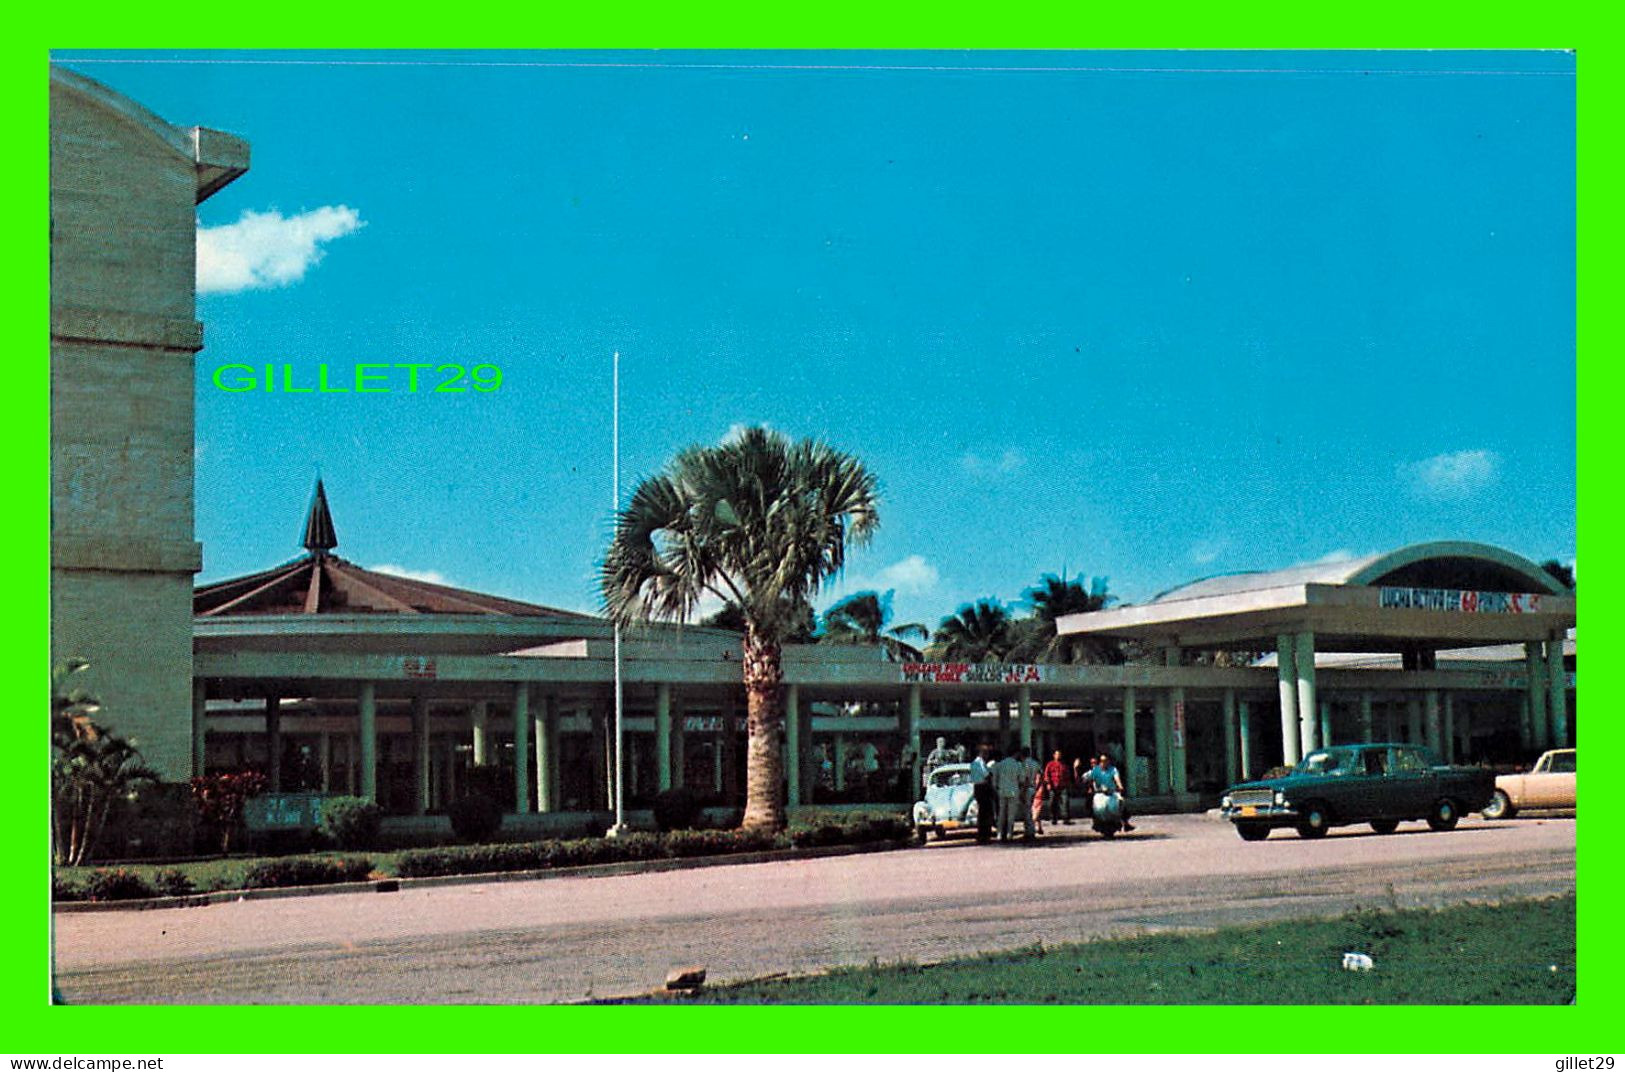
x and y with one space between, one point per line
1357 962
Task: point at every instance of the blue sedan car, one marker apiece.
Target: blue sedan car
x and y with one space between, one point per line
949 804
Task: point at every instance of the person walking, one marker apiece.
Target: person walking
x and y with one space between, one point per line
1032 772
1057 792
987 801
1008 777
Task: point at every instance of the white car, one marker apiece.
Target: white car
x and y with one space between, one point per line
949 804
1550 785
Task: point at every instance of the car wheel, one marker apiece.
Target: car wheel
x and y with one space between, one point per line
1444 815
1252 831
920 834
1385 826
1500 806
1316 820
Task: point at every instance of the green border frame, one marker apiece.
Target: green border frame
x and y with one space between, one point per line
36 1027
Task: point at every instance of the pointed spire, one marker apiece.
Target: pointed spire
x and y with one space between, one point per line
319 535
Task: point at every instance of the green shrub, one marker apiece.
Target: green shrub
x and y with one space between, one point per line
172 882
475 817
117 884
351 822
472 859
676 809
306 871
65 889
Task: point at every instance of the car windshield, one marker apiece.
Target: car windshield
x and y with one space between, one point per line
950 777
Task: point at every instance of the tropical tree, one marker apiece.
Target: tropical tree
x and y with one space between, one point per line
1039 638
91 769
758 521
978 632
803 628
865 618
1563 574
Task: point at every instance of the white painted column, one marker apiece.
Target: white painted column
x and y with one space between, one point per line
368 708
1534 666
1365 718
1130 745
1231 769
521 748
480 721
1325 723
200 716
1557 704
793 744
1244 713
663 736
1287 680
420 755
1304 644
545 736
273 741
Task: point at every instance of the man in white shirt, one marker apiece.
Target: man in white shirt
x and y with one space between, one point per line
1008 776
987 801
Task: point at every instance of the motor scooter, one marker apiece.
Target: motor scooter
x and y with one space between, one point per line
1107 814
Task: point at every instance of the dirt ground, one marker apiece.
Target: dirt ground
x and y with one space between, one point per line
565 939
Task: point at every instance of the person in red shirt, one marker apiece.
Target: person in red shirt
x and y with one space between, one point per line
1058 789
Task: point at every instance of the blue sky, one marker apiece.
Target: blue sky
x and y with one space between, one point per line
1146 316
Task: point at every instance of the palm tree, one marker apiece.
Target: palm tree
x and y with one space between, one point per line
1052 598
759 521
863 618
978 633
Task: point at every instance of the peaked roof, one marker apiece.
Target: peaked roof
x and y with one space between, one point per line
323 583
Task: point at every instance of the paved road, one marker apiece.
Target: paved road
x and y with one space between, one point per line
563 939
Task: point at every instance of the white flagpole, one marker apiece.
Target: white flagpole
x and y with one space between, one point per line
615 502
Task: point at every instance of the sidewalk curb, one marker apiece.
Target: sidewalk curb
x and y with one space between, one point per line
393 885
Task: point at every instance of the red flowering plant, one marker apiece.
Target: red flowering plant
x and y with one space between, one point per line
220 799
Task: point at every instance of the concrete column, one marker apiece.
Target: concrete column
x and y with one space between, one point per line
1231 768
546 740
1304 645
273 741
1287 680
1160 733
200 715
1534 665
1449 728
1365 718
1325 723
1024 715
663 736
420 755
1434 727
839 760
324 756
1413 711
1557 705
1244 712
1130 779
480 721
521 748
911 734
1178 776
368 707
793 744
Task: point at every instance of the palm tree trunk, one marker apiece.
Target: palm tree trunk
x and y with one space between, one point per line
764 758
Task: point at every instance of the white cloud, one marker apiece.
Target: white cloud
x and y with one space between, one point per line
267 249
913 576
1342 554
1006 462
426 576
1207 551
1453 476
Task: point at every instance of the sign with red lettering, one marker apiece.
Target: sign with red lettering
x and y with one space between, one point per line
973 673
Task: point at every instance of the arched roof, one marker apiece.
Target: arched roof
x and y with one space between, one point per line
1437 564
126 110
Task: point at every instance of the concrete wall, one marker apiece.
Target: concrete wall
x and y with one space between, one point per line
124 189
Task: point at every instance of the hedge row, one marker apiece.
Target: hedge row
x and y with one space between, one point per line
126 884
545 855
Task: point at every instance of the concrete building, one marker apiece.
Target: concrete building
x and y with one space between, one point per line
124 190
339 679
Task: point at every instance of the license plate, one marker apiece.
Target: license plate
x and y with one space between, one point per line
1249 810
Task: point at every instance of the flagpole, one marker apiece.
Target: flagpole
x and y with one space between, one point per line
615 503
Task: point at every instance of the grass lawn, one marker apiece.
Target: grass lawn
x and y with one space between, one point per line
1519 953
